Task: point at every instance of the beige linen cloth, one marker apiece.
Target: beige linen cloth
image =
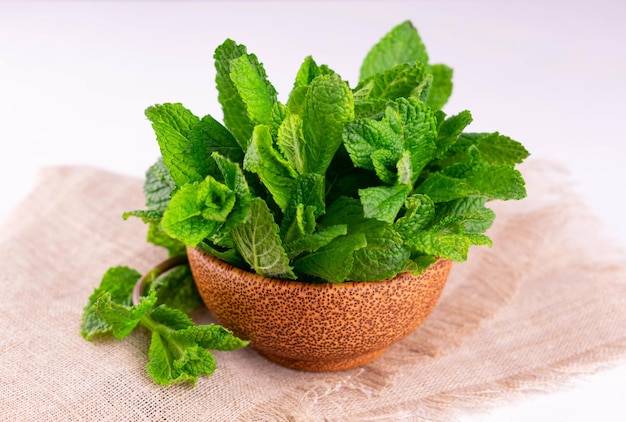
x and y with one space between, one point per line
546 303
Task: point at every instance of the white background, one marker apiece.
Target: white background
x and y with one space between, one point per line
75 78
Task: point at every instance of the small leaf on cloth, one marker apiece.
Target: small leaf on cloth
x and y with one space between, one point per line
118 282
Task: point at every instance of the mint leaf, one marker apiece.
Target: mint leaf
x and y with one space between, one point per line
398 81
172 124
470 213
275 172
258 242
197 210
309 70
328 106
454 246
499 149
290 141
158 237
314 241
498 182
363 137
306 203
441 87
417 124
235 114
169 364
408 125
178 352
211 336
383 202
235 180
118 283
332 262
122 318
384 255
401 45
420 262
158 186
255 90
420 212
450 130
208 137
177 289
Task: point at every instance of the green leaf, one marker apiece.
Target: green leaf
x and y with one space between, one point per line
332 262
255 90
398 81
363 137
417 124
498 182
230 256
383 202
118 283
408 125
314 241
441 188
172 124
208 137
170 319
454 246
420 212
275 172
385 165
328 106
449 131
122 318
290 141
147 216
384 256
401 45
499 149
235 180
258 242
177 289
166 368
158 237
211 336
308 71
306 203
420 262
197 210
158 186
441 88
236 113
470 213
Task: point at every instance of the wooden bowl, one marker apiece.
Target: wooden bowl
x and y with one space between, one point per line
317 327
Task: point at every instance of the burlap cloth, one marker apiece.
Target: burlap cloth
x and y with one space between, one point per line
546 303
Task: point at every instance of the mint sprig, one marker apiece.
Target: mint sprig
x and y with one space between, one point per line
179 350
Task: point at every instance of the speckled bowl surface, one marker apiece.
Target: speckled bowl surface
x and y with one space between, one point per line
317 327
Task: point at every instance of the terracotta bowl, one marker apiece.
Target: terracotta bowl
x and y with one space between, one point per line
317 327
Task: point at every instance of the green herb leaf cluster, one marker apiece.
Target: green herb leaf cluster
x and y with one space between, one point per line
335 184
179 349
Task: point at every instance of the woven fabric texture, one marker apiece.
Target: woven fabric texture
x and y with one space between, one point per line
545 304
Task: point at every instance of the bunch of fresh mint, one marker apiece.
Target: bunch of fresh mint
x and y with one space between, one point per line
336 184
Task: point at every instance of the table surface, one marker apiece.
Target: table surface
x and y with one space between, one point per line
75 78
